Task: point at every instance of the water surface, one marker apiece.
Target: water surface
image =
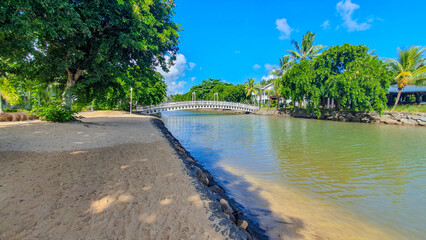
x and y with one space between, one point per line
311 179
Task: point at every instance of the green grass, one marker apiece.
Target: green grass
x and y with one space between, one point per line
408 108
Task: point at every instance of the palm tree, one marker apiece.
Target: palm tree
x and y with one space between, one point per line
250 87
308 50
285 63
410 69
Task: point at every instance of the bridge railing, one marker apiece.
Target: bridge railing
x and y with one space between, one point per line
196 103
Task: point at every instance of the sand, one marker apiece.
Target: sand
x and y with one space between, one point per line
112 176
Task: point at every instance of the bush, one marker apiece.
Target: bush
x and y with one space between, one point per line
56 113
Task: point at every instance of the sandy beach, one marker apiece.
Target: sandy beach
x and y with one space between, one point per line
110 176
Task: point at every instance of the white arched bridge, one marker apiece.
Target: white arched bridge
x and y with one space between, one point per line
175 106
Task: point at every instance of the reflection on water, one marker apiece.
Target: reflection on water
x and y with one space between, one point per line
314 178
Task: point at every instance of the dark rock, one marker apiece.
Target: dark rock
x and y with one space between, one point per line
218 189
421 123
204 180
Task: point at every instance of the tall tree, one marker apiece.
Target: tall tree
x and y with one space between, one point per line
251 87
410 69
95 41
307 48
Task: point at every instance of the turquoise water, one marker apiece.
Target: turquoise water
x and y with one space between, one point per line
303 178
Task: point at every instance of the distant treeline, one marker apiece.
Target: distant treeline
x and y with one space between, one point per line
207 89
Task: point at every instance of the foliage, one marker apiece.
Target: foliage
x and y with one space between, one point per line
204 90
8 91
409 67
55 112
207 89
308 50
346 73
89 43
285 64
251 88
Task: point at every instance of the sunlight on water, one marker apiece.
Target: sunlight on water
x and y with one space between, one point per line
312 178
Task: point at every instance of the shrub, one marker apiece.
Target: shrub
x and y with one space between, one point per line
56 113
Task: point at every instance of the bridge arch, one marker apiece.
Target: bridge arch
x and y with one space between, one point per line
176 106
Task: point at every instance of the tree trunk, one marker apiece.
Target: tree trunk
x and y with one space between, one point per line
72 79
1 103
397 99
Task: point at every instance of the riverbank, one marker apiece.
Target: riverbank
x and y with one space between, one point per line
112 175
395 118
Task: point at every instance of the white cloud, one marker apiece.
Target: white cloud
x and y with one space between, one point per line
266 78
346 8
284 28
193 78
326 24
176 87
256 67
176 71
269 67
237 52
191 66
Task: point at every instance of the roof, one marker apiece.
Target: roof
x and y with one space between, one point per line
408 89
270 85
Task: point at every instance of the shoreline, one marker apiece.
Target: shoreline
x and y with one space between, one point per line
212 190
394 118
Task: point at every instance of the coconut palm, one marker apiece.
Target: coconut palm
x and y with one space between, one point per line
308 50
286 63
251 87
410 69
7 92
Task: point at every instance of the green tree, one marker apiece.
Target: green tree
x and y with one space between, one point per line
75 42
203 89
410 69
8 91
251 87
346 73
307 49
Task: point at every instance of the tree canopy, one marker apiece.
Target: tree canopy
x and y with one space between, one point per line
207 89
346 73
94 45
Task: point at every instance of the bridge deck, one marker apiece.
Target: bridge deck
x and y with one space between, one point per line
175 106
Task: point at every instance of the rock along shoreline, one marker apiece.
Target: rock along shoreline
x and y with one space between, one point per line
394 118
226 212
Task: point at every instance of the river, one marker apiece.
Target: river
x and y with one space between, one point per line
314 179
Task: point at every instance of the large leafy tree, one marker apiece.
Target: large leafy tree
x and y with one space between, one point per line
76 42
346 73
410 69
307 49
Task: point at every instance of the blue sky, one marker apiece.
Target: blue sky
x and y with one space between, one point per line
238 39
